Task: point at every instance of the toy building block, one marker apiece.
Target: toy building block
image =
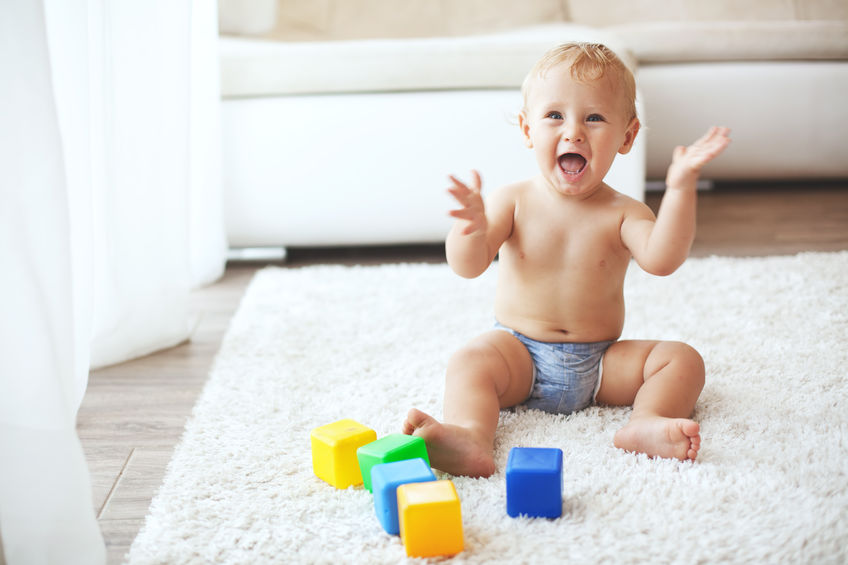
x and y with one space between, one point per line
386 478
334 451
393 447
534 482
430 519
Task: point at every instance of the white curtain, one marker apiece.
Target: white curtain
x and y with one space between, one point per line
110 212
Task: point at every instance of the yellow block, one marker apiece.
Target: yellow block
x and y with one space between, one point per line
334 451
430 519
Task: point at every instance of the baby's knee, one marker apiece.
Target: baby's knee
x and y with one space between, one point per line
473 362
478 352
462 359
689 363
692 362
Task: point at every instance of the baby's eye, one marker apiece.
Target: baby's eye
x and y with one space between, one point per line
595 118
554 115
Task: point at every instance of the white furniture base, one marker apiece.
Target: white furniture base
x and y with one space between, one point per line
770 106
362 169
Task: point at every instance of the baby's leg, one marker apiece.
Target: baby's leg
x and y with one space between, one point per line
494 371
662 380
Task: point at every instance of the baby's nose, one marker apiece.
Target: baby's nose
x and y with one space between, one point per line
572 134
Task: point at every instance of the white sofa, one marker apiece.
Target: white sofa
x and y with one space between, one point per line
342 118
775 71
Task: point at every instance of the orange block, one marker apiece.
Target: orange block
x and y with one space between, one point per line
430 519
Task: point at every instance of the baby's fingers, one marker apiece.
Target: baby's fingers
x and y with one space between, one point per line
476 182
721 139
457 183
706 148
707 136
475 185
466 194
463 195
716 137
474 221
464 213
715 144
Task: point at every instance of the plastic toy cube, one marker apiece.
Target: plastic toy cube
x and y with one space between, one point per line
386 478
534 482
393 447
430 519
334 451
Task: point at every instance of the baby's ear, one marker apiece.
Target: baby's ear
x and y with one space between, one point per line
630 136
525 129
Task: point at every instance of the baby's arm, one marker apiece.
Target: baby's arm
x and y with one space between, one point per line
660 246
479 229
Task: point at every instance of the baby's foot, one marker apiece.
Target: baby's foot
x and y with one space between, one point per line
452 449
661 437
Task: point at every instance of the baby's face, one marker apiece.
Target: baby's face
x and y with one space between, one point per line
576 129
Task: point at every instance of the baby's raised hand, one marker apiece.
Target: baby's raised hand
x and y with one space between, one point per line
471 199
686 162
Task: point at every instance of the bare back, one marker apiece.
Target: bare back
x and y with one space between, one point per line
562 266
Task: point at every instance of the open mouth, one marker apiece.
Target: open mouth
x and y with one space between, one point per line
572 163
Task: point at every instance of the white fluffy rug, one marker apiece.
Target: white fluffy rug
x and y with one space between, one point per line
313 345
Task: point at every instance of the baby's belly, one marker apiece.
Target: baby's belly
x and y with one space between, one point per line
573 320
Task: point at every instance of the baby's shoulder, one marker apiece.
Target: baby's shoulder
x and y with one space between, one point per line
515 189
627 205
509 194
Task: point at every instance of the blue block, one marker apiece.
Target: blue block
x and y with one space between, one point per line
386 478
534 482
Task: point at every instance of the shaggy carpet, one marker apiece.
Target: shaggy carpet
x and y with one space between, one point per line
312 345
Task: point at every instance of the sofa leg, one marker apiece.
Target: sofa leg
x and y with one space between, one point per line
257 254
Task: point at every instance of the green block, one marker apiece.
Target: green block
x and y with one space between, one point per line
393 447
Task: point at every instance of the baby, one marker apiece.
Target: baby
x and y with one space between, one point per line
564 240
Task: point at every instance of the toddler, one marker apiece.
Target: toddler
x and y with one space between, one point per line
564 240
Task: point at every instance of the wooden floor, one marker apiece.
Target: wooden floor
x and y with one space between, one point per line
133 414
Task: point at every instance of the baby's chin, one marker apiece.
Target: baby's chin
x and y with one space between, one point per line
581 187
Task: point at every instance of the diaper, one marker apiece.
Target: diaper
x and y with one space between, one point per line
566 376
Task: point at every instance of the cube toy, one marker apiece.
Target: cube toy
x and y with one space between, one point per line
534 482
334 451
393 447
386 478
430 519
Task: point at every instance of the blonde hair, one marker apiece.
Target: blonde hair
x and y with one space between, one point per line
587 62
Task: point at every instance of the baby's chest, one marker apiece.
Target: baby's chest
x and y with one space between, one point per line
577 242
